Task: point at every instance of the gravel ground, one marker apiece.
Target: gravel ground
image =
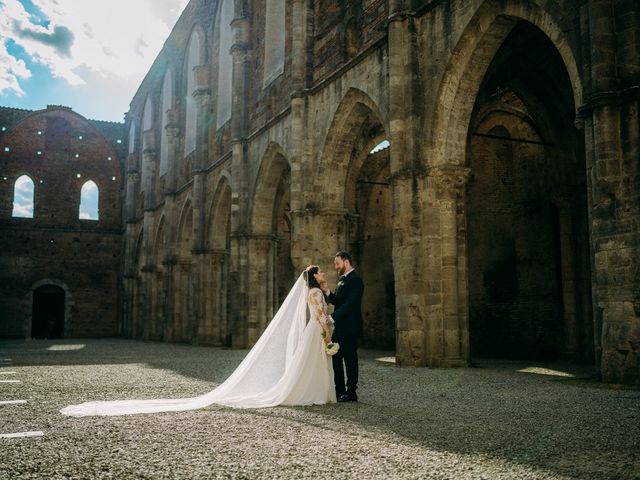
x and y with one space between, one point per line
500 420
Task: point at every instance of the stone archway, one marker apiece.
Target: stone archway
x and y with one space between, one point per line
446 216
183 317
470 60
528 253
372 243
355 180
215 328
273 271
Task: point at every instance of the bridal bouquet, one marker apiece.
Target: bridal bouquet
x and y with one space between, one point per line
331 348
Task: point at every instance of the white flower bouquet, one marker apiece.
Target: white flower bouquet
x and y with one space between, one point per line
331 348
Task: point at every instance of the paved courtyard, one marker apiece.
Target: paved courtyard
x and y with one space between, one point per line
500 420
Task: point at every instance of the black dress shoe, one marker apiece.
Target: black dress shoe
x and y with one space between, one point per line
347 397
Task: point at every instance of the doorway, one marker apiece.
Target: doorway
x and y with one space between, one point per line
48 312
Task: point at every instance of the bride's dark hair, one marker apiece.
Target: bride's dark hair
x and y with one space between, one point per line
311 280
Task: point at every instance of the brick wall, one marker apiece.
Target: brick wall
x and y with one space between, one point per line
60 150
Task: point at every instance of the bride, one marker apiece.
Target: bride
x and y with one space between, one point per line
289 364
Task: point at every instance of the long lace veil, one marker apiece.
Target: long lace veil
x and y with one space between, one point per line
263 366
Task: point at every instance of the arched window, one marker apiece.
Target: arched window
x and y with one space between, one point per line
193 60
23 195
132 137
225 63
147 124
147 120
89 201
381 146
167 104
274 37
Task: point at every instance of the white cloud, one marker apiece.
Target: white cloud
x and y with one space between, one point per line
23 197
89 201
11 70
118 37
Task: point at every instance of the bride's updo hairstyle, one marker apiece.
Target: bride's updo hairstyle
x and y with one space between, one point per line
311 280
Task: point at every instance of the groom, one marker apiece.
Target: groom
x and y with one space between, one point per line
348 326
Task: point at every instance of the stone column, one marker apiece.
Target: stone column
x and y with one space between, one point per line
449 323
202 97
167 257
239 274
213 329
145 290
321 233
169 263
172 130
568 272
612 141
130 241
408 187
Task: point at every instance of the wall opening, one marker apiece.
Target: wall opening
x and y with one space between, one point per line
48 312
529 285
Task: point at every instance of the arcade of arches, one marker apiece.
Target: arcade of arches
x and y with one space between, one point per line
479 160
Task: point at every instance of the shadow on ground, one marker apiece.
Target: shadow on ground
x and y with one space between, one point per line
544 415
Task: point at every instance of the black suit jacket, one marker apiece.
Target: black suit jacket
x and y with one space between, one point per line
348 311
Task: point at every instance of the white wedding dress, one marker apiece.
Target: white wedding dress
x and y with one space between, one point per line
287 366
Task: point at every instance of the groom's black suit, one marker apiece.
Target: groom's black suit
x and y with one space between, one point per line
348 328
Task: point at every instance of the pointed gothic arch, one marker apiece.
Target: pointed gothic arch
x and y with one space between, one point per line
194 57
89 201
24 195
225 62
470 60
166 105
357 119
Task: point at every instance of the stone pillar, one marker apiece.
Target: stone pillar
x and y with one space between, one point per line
202 97
568 272
612 140
169 285
213 329
239 274
172 130
145 291
130 241
411 278
448 322
322 233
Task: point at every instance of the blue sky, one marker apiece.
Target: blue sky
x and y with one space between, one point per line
23 197
89 201
90 55
24 192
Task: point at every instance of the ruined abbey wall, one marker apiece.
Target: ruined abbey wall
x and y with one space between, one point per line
60 261
502 219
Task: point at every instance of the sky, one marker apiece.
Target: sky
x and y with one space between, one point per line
90 55
23 199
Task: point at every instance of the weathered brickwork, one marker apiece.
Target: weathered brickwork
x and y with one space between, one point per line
60 273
